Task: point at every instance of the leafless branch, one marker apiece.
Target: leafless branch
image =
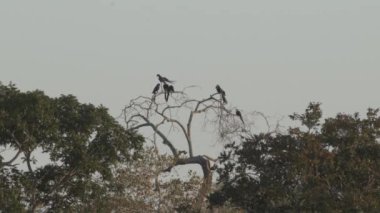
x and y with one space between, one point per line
9 163
166 141
154 113
27 158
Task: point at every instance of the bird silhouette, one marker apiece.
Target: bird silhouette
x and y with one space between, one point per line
166 90
171 88
163 79
156 88
221 92
224 99
219 89
238 113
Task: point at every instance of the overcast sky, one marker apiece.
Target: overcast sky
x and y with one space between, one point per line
269 56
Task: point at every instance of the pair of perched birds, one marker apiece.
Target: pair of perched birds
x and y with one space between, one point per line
223 94
169 89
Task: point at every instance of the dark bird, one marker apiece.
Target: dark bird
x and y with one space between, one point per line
156 88
221 92
163 79
166 90
171 88
219 89
224 99
238 113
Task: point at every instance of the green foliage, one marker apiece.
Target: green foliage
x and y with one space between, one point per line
333 166
10 191
84 144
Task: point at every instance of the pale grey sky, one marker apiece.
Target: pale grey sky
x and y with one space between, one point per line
269 56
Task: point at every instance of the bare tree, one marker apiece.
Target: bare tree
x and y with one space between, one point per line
179 114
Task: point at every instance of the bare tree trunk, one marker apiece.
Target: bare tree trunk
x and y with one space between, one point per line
203 192
207 177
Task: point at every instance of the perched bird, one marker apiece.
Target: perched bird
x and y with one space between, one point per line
163 79
221 92
219 89
224 99
166 90
171 88
238 113
156 88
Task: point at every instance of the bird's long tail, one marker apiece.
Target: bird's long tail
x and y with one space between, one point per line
224 99
241 118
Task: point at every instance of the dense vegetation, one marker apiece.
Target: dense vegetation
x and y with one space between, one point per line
83 142
97 165
330 166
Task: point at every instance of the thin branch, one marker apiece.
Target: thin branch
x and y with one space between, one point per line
27 158
9 163
209 158
166 141
181 126
200 159
139 126
189 122
16 140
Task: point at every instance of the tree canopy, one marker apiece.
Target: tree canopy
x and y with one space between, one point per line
319 167
95 164
84 144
